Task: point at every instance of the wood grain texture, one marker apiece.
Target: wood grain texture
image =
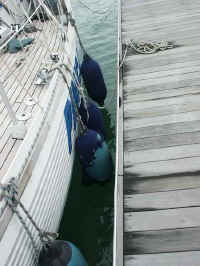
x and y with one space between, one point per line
164 154
159 142
20 84
135 185
162 200
145 242
164 259
162 135
162 219
162 168
170 128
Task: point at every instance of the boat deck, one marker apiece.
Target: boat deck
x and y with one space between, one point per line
161 135
18 72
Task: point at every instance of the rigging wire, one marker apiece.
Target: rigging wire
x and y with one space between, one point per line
92 10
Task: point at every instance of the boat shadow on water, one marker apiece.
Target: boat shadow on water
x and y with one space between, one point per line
88 215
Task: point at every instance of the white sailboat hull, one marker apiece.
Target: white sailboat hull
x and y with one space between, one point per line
45 174
45 193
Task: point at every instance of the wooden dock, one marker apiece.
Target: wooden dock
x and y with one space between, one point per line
159 143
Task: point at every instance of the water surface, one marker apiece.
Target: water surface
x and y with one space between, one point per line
88 214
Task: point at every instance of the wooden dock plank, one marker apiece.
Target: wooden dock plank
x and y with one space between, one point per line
162 168
135 185
164 141
137 78
164 259
161 143
157 130
164 154
162 200
130 124
177 240
173 93
161 219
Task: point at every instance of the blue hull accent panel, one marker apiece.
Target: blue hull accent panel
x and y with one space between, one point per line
75 91
69 111
77 258
77 69
68 120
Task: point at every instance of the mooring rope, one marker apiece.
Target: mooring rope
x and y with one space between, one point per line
10 195
73 23
149 47
83 127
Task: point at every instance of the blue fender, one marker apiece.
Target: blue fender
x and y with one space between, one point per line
77 258
61 253
94 156
93 79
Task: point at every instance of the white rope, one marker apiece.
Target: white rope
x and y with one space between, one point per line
10 193
16 33
49 13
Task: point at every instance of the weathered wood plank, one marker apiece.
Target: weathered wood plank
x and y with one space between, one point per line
162 85
161 134
157 9
135 185
163 219
161 110
162 200
187 239
180 26
157 130
177 92
180 80
130 124
160 69
171 77
164 154
137 78
164 141
164 259
146 19
162 168
181 100
169 19
166 61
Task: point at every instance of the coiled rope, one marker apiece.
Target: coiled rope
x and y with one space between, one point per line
150 47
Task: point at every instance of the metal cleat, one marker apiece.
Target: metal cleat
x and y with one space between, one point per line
29 101
42 77
55 57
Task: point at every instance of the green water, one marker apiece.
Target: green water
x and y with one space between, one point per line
88 214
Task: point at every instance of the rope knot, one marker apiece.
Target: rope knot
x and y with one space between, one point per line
10 192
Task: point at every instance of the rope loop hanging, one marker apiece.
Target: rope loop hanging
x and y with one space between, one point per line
83 128
10 195
73 24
